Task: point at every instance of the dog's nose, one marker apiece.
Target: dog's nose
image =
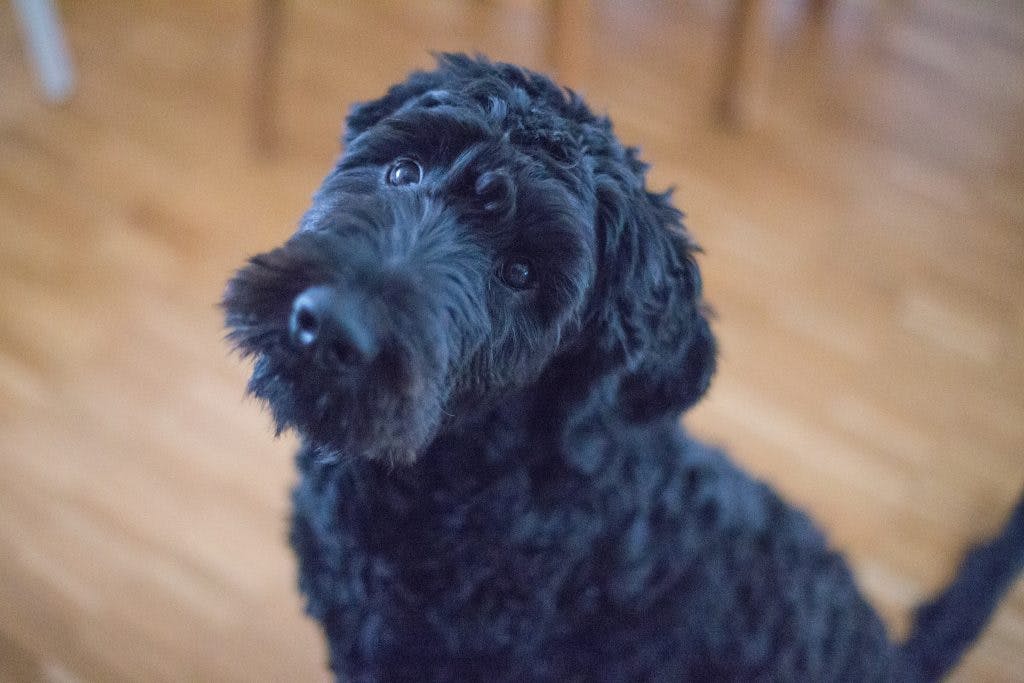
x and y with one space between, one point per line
329 322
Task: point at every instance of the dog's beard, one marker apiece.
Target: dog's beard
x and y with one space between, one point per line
387 411
374 417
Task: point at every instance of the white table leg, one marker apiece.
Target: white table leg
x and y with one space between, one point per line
47 48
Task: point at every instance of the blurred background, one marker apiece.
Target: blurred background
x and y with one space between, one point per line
854 171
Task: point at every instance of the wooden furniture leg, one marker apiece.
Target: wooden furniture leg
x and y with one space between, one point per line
745 67
568 39
269 33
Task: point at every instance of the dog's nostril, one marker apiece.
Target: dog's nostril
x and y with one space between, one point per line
352 342
345 354
306 326
308 312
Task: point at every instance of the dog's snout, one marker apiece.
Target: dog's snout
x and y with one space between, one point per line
333 324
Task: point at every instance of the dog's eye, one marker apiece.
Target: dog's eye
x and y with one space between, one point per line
517 273
404 172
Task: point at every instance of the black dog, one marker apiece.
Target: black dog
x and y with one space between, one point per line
484 332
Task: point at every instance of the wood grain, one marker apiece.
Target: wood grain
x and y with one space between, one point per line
864 251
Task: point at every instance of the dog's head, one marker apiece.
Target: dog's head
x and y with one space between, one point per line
481 227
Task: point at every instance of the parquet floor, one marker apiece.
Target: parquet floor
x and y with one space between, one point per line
864 251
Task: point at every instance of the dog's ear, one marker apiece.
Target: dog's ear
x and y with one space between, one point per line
653 322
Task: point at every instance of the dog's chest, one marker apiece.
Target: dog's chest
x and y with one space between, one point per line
449 545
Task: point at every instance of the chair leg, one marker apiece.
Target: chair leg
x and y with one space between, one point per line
745 67
818 11
269 31
48 50
569 29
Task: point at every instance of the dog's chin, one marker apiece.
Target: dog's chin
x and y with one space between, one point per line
343 417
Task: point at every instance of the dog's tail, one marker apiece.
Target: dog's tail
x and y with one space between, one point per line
945 627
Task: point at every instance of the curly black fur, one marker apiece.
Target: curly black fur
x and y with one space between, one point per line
503 492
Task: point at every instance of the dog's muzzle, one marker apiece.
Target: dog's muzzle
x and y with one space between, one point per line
358 325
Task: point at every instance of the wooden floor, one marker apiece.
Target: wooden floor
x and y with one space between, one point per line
864 251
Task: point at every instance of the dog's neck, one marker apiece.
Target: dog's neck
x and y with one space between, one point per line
563 398
556 420
527 450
